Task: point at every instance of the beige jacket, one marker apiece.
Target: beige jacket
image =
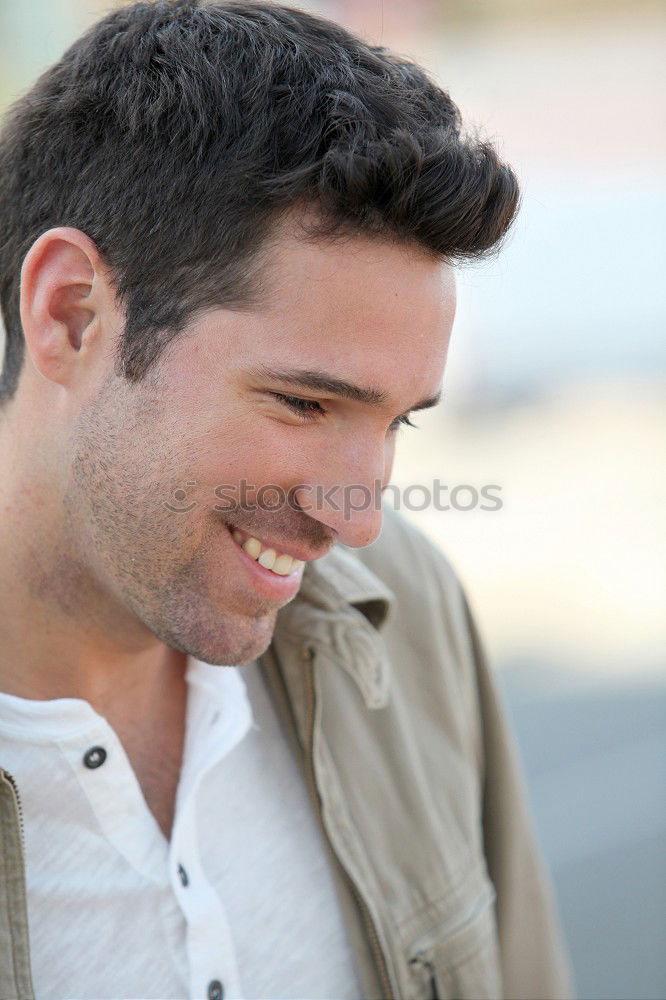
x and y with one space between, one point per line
377 671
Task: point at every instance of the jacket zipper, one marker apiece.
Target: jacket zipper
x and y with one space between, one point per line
420 956
429 970
375 944
19 807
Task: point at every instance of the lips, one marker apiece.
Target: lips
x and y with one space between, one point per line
310 548
265 583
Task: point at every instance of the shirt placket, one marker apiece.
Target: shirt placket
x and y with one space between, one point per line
218 718
213 971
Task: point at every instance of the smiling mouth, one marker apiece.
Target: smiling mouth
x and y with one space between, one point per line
280 563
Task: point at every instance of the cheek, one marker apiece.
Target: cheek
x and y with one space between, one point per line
246 456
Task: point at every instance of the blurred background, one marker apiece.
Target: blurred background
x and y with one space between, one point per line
555 394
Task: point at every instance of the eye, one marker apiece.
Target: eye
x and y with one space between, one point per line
401 421
307 409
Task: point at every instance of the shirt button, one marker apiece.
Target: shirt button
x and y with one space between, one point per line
215 990
182 875
94 757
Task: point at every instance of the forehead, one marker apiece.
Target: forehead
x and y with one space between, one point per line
354 300
370 312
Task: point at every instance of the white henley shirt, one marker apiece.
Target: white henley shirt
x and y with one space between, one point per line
240 903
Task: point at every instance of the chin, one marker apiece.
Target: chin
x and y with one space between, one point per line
231 642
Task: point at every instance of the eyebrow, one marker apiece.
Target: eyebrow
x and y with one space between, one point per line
319 381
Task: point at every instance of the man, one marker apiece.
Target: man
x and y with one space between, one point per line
228 239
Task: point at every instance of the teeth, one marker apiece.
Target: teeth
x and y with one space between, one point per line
281 564
253 547
267 558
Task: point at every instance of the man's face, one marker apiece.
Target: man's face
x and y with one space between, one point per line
224 415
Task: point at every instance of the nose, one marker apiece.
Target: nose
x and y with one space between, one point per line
352 510
351 506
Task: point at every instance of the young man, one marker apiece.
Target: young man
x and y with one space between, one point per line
226 269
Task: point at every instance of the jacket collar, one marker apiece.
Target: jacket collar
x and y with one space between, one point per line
340 579
341 607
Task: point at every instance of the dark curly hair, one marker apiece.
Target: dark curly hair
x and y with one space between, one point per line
176 133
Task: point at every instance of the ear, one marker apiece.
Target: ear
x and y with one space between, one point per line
63 291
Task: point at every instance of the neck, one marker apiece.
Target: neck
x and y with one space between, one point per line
61 635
